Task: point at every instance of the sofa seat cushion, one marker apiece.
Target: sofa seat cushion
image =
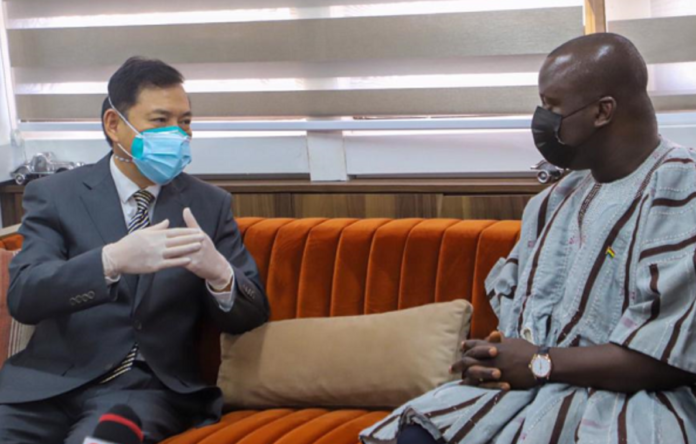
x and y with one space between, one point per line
283 426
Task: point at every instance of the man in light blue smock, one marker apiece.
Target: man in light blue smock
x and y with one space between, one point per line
596 301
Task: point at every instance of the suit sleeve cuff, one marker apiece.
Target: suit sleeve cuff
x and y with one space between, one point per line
112 280
225 299
109 275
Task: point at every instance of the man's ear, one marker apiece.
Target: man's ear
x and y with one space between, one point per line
111 122
606 111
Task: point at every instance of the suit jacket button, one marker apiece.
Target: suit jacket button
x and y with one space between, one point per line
109 367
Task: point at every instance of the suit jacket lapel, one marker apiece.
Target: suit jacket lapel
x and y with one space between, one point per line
103 204
101 200
170 205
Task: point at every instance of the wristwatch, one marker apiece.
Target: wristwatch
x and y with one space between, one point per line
541 365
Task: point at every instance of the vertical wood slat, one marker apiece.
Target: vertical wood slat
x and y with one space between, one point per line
595 16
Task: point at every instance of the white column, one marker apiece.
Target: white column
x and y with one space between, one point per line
327 156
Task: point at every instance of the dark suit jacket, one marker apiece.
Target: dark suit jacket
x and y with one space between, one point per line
84 328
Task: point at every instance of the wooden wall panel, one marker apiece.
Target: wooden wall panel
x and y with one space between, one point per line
12 211
317 205
367 205
263 205
322 201
484 207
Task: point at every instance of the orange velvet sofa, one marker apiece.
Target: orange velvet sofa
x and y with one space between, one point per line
339 267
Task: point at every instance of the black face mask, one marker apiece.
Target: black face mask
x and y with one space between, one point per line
546 128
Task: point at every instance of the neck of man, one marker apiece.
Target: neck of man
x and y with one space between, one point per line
626 148
132 172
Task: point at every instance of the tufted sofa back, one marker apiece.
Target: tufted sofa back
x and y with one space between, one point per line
341 267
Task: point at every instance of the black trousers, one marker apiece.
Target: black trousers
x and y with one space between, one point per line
71 417
414 434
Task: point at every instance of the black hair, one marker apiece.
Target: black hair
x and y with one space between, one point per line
131 78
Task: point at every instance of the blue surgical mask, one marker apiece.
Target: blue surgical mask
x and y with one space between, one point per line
160 154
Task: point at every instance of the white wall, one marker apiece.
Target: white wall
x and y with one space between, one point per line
507 149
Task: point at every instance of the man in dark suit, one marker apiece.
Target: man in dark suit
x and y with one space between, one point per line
121 261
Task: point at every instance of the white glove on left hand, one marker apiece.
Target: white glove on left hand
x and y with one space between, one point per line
207 263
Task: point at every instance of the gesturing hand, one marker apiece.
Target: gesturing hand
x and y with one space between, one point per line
206 262
151 249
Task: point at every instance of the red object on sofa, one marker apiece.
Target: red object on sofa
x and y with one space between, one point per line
339 267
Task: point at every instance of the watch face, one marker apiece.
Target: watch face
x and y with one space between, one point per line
541 366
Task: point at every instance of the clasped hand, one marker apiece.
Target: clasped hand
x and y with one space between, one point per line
496 363
159 247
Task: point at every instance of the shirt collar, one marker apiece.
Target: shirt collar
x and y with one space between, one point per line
126 187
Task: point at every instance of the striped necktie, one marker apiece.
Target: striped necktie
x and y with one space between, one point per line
140 220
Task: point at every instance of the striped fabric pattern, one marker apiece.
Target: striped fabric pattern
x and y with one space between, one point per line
140 220
568 291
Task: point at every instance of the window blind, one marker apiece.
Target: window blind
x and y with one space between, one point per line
316 59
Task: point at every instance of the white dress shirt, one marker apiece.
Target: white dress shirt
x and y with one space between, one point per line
126 188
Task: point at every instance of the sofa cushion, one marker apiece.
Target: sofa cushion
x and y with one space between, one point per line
366 361
283 426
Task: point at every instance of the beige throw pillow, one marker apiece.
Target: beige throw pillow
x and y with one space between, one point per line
380 360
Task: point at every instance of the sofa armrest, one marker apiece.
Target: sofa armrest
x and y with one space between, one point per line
13 335
9 231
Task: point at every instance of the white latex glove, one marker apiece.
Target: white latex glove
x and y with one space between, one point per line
207 263
151 249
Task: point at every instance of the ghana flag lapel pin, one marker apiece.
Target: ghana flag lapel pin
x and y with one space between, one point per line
611 253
